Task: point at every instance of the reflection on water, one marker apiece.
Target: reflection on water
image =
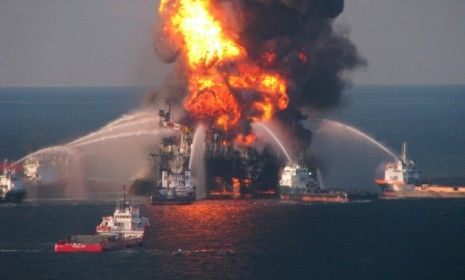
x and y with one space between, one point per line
244 239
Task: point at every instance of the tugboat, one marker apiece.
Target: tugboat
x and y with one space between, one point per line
172 164
126 228
298 183
11 187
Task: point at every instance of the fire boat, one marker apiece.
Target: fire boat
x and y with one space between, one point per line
126 228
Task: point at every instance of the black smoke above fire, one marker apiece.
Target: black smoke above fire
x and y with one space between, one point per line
308 50
295 38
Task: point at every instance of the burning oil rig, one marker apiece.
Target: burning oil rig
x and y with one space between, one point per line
238 170
231 170
235 67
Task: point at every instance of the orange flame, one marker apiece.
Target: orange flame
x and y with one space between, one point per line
236 182
204 39
210 97
224 86
245 140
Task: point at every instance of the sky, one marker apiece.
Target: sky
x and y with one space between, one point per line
109 42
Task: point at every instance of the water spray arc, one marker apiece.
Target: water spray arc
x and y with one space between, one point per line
119 136
75 162
197 161
124 122
275 138
53 149
358 133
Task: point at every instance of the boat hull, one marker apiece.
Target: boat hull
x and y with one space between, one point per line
428 192
325 198
13 196
77 247
362 196
159 199
69 247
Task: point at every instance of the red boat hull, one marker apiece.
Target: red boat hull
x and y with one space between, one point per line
76 247
68 247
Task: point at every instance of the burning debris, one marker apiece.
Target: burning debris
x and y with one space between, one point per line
245 61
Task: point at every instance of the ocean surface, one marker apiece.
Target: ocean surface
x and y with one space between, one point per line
246 239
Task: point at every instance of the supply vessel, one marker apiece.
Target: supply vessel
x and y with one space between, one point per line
126 228
402 179
11 186
299 183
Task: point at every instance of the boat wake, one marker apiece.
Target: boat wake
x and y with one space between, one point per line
182 252
12 251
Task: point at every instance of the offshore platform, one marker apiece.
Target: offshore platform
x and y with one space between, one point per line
232 170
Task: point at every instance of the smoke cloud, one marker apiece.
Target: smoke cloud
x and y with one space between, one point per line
295 38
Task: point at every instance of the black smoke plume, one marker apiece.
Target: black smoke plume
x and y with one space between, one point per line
309 51
300 34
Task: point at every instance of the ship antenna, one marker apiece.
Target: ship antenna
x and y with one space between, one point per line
124 196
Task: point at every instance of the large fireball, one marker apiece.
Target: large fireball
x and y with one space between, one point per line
225 88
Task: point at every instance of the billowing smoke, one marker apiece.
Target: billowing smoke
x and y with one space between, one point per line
295 38
308 50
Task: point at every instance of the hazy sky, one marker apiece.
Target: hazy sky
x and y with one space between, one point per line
108 42
409 41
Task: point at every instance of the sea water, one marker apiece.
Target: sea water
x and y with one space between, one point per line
246 239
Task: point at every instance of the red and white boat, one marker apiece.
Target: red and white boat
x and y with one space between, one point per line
126 228
126 222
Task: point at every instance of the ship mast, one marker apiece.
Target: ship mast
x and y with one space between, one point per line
404 153
5 167
123 200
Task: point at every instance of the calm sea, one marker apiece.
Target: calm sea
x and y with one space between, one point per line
246 239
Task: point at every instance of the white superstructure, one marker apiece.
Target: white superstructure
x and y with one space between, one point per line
126 222
401 175
11 187
297 178
176 184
